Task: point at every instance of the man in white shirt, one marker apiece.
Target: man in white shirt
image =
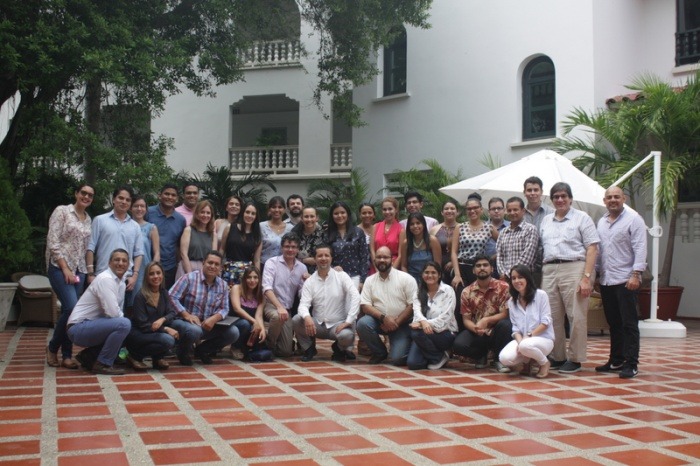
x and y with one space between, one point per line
336 303
97 322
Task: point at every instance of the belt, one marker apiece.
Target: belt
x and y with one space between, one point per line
561 261
69 326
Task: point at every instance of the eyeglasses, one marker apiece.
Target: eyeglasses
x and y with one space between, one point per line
496 209
560 196
87 194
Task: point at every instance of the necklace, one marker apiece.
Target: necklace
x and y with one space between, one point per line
419 244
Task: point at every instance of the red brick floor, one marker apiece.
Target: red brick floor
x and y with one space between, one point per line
293 413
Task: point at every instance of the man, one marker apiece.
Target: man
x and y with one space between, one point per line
413 201
295 206
535 212
283 277
387 302
191 197
336 303
115 230
201 300
496 211
170 225
621 262
484 308
519 242
97 321
570 243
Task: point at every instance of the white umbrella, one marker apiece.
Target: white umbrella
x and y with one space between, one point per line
549 166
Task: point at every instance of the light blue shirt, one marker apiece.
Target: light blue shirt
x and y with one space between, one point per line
623 247
170 230
271 241
110 233
568 238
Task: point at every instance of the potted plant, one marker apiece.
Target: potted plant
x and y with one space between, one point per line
656 117
15 243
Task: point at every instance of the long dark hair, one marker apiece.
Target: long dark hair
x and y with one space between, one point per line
255 228
350 228
531 288
426 233
257 292
423 287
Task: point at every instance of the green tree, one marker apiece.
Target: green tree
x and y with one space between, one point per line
427 182
15 246
664 118
323 193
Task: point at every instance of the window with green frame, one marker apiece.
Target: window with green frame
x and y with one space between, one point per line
539 99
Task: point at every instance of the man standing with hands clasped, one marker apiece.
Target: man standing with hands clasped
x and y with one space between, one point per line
621 262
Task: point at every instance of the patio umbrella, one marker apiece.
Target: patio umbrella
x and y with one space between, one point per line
549 166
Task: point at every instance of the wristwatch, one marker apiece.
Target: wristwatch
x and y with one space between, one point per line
529 334
381 318
587 274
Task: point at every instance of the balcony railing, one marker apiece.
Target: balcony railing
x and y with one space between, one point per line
341 157
687 47
688 223
270 54
273 160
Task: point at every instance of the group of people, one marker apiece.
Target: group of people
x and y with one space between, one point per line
192 284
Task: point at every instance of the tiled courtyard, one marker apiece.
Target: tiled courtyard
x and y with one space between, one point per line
294 413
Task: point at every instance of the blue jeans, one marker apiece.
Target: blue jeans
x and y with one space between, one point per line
428 348
68 295
155 344
369 329
213 341
244 329
108 332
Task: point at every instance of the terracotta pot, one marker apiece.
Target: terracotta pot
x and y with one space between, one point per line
669 300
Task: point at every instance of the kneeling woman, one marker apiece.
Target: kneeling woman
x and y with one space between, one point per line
150 334
247 303
434 326
531 316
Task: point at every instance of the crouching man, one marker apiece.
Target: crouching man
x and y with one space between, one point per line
336 303
97 321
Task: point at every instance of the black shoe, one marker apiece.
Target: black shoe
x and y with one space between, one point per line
350 356
86 358
609 367
628 372
309 353
203 356
378 358
185 359
338 354
100 368
569 367
554 364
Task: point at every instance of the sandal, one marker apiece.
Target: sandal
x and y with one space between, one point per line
51 358
68 363
161 364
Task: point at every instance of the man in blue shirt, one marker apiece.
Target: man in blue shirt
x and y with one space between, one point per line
201 300
170 225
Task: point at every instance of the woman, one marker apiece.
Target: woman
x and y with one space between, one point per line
418 246
151 243
367 216
311 235
388 232
197 239
273 230
247 304
66 245
350 250
531 317
434 326
444 232
233 209
241 245
153 312
470 242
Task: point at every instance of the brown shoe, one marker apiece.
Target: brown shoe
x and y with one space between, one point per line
136 364
70 364
51 358
544 370
161 364
100 368
525 370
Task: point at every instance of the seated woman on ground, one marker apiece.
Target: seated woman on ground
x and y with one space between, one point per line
531 316
247 304
150 334
434 326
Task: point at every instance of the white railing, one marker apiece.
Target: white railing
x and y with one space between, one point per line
341 157
273 159
688 222
273 53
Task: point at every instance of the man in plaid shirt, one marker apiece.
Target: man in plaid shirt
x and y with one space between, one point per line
518 243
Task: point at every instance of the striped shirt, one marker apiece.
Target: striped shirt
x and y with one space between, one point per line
517 245
191 293
568 238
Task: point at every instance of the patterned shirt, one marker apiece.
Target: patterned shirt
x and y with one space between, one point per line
68 238
477 304
307 245
568 238
472 243
352 253
517 245
193 294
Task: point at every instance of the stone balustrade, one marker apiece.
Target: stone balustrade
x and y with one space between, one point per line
688 222
273 53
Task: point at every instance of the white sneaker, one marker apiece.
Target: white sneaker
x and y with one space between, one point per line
500 367
440 363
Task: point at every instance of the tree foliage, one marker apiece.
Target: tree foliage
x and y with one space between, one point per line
663 118
15 245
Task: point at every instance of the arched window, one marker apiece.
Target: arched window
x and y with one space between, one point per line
395 65
539 99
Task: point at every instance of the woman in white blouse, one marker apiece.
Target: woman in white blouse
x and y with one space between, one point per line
434 326
531 316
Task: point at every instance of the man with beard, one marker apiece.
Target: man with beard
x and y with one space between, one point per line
190 197
170 226
387 301
484 307
518 243
295 206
